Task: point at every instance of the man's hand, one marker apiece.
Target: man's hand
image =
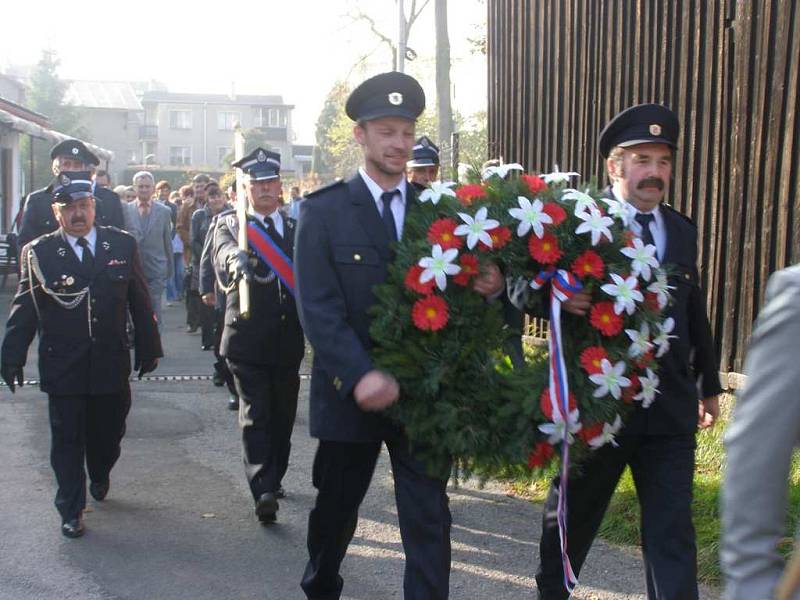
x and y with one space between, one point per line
11 373
239 266
579 304
490 281
376 391
145 366
708 412
209 298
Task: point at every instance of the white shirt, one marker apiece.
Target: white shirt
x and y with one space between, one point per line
277 219
91 238
657 226
398 204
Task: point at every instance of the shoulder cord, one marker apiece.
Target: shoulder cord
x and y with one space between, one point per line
232 285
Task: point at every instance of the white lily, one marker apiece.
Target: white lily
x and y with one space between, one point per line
611 380
643 258
640 341
500 170
608 435
583 200
625 293
558 430
531 216
596 223
476 228
436 190
438 266
649 389
617 209
661 341
558 176
660 288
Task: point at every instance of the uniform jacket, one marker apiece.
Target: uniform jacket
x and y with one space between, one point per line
764 431
342 252
82 350
272 335
38 217
154 236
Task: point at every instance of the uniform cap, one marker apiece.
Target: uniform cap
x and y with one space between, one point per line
392 94
640 124
260 165
74 149
425 154
71 186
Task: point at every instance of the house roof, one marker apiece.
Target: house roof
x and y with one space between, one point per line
118 95
186 98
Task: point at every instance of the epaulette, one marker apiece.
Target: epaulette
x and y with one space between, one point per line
326 188
43 238
678 213
223 213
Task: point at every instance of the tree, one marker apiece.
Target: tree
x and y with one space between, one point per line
388 40
443 107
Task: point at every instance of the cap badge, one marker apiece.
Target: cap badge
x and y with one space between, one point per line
395 98
424 142
655 129
64 180
261 156
75 151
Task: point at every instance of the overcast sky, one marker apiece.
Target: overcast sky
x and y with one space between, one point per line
295 48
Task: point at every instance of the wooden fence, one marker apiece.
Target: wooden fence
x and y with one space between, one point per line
559 70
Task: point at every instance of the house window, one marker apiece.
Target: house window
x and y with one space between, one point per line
180 119
270 117
180 156
226 120
222 152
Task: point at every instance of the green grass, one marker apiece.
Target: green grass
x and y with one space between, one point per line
621 523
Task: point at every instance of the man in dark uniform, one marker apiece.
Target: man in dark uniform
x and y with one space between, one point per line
38 219
263 351
77 286
344 247
659 441
424 164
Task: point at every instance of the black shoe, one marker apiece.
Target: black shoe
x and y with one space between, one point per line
99 491
280 492
191 328
233 404
207 346
266 507
73 528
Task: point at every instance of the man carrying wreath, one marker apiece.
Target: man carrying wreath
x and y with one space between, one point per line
658 443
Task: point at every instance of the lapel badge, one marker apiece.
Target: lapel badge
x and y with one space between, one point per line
395 98
106 246
62 252
655 129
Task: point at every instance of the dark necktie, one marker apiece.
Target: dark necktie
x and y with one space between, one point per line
87 260
388 217
644 219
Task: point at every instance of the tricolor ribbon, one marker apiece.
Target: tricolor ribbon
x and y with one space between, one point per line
268 250
563 286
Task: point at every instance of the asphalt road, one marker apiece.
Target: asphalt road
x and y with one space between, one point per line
179 524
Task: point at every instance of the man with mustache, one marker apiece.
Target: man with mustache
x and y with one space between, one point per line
77 286
658 442
37 218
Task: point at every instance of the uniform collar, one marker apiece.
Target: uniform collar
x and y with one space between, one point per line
633 211
91 238
377 190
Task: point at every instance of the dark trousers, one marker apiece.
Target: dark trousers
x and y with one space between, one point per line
662 468
193 304
207 320
220 366
267 408
342 473
86 428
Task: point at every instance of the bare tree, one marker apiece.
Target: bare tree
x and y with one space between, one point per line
388 40
443 107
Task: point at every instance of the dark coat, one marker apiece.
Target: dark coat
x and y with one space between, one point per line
38 217
342 252
74 360
272 334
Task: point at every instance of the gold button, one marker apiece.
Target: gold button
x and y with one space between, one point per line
687 276
283 317
356 257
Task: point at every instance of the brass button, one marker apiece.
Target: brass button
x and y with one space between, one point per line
283 317
94 319
356 257
687 276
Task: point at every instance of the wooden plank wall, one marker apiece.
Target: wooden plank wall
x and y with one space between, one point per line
560 69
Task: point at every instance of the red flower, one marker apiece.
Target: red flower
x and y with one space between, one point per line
591 359
442 231
556 213
540 455
604 319
545 250
430 313
500 237
412 281
469 268
627 237
651 301
589 432
547 407
467 194
644 361
629 392
589 264
535 183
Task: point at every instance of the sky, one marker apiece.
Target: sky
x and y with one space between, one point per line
296 48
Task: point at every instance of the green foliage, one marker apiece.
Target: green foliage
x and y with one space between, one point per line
336 152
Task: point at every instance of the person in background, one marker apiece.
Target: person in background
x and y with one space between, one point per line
293 208
102 179
175 283
424 164
130 194
193 302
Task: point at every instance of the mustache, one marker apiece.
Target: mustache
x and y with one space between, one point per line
651 182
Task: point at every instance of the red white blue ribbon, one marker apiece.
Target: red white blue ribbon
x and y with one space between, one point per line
563 285
272 254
